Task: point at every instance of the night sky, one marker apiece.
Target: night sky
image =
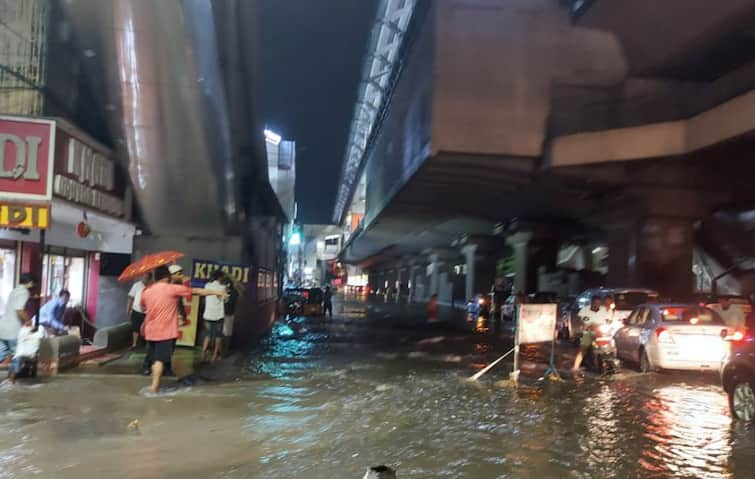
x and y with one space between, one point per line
312 53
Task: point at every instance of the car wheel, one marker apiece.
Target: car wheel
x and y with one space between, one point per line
742 401
645 366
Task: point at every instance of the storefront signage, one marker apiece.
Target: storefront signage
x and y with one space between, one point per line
24 216
202 270
26 158
85 174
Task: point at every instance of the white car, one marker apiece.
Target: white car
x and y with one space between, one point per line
672 336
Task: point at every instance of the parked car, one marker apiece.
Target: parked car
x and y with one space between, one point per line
309 301
672 336
625 300
738 372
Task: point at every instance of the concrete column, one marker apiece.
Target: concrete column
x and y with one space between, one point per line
469 251
654 253
518 243
416 276
435 266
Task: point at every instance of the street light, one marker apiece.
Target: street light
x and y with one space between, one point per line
295 239
272 137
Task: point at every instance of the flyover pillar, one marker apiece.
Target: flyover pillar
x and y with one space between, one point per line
519 243
441 270
417 280
469 251
652 252
481 254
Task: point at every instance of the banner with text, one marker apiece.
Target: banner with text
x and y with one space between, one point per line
202 270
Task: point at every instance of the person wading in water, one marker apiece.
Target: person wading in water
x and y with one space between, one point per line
160 300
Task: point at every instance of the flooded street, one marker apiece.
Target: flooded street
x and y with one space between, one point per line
326 399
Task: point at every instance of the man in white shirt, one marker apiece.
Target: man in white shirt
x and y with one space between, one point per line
593 315
15 316
214 313
27 347
134 309
733 316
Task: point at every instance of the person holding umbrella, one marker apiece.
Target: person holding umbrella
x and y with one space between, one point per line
160 301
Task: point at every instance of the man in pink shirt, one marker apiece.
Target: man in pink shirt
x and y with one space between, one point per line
161 323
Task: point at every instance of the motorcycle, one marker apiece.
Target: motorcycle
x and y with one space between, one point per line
294 309
601 357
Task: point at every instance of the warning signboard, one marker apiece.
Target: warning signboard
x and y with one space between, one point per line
537 323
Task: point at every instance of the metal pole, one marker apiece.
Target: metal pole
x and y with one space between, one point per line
40 273
516 339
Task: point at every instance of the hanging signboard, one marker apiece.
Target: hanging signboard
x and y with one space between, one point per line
537 323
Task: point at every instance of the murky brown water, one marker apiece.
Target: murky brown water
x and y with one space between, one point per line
334 398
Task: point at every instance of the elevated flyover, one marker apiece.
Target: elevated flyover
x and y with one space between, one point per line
511 117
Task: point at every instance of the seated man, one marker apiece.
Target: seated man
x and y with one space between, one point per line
27 347
51 314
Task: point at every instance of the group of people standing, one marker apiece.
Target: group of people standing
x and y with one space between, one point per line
156 309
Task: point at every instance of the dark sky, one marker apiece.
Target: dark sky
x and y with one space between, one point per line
312 53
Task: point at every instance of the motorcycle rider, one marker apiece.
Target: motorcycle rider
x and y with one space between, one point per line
592 316
473 308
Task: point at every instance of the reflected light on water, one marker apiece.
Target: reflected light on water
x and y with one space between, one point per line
601 445
688 433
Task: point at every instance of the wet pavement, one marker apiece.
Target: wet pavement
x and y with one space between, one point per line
375 385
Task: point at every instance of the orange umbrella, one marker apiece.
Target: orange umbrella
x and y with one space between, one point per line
148 263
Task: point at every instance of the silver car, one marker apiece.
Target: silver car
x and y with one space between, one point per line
672 336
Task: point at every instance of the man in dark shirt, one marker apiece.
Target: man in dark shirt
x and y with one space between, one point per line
327 301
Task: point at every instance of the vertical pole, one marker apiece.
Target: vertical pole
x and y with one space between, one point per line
515 373
40 272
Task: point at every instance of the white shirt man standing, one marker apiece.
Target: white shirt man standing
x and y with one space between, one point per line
134 309
214 313
15 316
733 316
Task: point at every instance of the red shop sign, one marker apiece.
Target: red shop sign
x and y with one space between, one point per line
26 158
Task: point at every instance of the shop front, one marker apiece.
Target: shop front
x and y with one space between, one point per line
63 210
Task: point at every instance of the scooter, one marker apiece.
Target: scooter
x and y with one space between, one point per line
294 309
602 355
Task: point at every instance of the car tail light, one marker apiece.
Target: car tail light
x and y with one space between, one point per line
663 335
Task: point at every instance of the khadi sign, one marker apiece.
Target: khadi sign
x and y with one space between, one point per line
26 158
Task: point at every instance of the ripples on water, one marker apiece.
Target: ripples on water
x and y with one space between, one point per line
326 400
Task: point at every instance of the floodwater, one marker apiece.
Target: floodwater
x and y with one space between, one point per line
326 399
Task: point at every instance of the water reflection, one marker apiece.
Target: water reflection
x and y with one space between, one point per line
687 433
